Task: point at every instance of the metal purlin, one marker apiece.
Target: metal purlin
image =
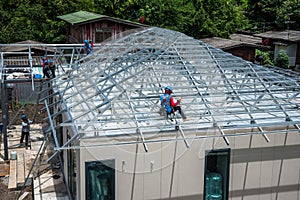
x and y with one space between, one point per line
106 90
31 69
57 146
138 130
235 79
74 128
114 83
72 122
215 123
253 121
288 118
90 110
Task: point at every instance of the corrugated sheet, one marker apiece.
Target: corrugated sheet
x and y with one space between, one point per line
289 35
80 16
84 16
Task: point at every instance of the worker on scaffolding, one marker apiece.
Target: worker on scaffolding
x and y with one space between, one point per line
88 47
25 130
49 69
169 105
44 64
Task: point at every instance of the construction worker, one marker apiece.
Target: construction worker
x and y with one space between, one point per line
25 130
169 104
49 70
44 64
88 47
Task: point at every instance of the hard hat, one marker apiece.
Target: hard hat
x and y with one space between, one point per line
50 61
168 88
23 116
86 41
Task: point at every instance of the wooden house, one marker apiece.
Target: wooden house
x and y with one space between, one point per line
287 40
83 25
240 45
19 55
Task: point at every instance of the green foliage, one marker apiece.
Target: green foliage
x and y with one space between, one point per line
37 19
267 60
170 14
262 14
267 15
30 22
282 60
288 15
217 18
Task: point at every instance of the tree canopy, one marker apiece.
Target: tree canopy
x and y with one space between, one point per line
37 19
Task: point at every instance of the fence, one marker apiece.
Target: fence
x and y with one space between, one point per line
22 93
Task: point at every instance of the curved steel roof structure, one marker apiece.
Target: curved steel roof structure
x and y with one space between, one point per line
115 91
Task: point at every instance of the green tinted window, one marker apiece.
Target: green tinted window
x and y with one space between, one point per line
217 164
100 180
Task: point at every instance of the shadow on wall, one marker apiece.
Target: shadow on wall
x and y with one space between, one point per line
257 156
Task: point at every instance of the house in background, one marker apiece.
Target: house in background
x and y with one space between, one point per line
240 45
287 40
16 56
83 25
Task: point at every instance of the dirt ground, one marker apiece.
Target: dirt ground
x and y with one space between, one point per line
33 112
7 194
15 119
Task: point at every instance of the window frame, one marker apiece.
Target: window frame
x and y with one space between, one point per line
109 164
102 34
227 171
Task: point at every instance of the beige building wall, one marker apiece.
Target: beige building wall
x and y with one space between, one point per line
258 169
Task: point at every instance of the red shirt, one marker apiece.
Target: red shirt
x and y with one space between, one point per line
173 103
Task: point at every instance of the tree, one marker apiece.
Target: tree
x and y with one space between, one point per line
37 19
24 24
264 57
29 21
171 14
288 15
217 18
262 14
282 60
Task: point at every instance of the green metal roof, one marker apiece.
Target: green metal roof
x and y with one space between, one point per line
80 16
84 16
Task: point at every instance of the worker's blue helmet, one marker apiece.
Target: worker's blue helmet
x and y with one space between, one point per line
169 88
86 41
23 116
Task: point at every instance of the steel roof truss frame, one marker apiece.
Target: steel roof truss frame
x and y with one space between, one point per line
253 121
288 118
138 130
206 105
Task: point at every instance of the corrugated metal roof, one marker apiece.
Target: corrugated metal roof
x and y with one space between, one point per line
80 16
246 38
224 44
84 16
288 35
34 45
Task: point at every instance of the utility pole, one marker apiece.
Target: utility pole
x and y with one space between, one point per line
4 107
